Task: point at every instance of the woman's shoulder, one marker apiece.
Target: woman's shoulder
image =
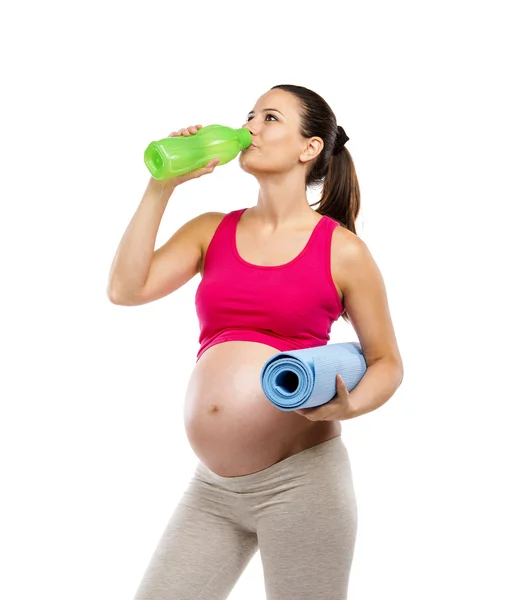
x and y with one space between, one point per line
346 245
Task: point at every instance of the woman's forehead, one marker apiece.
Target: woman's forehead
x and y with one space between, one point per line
278 99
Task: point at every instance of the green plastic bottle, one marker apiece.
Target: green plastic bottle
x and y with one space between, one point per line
173 156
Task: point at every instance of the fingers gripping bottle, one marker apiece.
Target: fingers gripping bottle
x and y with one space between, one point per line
173 156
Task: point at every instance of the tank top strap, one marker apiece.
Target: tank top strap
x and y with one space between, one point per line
319 245
220 246
232 219
234 216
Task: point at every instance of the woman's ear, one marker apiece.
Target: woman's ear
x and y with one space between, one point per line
312 149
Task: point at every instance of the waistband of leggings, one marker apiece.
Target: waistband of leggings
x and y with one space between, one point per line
278 469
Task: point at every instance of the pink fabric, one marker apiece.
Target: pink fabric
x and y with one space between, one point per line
289 306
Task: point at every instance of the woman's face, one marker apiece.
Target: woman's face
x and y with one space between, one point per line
277 143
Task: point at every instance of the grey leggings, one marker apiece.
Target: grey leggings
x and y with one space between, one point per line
300 512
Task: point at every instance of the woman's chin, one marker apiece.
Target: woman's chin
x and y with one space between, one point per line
246 165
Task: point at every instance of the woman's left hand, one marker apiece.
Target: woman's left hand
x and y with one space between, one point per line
337 409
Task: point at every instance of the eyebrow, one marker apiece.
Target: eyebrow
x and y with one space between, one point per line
264 110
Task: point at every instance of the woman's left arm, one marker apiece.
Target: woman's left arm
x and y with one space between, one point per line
376 387
366 303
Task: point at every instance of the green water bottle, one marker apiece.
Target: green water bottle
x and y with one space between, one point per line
173 156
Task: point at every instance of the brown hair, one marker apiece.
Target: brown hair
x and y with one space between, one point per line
340 198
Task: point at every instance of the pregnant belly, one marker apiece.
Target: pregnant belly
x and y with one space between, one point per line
231 425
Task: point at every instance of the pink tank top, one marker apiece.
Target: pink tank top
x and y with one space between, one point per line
289 306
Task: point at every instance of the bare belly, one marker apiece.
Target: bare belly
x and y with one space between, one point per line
231 425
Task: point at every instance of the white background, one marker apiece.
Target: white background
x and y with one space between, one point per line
94 457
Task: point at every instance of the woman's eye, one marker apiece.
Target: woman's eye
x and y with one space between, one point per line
266 117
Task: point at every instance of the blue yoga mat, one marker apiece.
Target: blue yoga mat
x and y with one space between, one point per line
307 378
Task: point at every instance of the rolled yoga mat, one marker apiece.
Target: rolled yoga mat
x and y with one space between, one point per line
307 377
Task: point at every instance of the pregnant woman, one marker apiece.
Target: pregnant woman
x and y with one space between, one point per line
274 277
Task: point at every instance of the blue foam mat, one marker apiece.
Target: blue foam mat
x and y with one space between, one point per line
307 378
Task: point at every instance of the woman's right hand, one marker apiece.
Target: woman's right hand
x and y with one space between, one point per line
209 168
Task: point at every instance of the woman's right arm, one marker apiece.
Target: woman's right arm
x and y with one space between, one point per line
139 273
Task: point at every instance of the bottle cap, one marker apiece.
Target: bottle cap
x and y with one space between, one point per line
244 137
